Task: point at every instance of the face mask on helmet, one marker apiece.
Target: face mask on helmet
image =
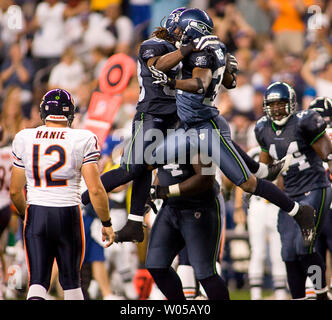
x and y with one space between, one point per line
323 106
279 102
171 22
194 23
57 105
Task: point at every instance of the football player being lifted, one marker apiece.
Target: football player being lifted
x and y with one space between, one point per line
158 65
203 73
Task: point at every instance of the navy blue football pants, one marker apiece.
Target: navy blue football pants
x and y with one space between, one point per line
212 140
198 229
54 233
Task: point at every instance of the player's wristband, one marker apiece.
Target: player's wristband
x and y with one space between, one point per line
107 223
171 83
174 190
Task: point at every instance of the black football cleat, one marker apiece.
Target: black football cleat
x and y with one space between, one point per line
277 168
305 218
131 232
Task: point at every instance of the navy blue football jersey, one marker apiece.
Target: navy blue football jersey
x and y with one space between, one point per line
193 107
296 137
176 173
154 99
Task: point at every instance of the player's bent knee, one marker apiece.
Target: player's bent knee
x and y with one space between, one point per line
134 169
250 185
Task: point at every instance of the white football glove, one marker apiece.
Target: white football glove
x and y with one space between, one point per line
205 41
231 64
161 78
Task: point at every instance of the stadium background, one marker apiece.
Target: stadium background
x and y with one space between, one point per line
273 40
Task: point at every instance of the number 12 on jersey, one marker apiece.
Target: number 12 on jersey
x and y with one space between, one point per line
50 182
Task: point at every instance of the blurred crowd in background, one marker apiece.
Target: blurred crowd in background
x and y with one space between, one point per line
52 43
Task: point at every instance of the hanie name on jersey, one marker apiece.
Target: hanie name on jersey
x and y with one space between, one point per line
50 135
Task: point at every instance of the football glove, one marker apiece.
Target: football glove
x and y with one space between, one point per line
198 44
205 41
231 64
162 78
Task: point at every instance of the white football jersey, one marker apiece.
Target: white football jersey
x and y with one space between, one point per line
5 168
52 159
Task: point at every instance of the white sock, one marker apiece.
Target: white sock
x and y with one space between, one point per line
36 290
309 288
280 294
294 210
187 276
256 293
262 171
130 290
135 217
73 294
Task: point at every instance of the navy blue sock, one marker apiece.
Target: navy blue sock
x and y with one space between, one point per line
168 282
272 193
296 278
215 288
252 165
140 193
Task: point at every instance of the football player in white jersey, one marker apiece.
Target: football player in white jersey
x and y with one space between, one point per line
5 202
50 160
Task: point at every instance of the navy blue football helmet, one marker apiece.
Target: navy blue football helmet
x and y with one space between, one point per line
279 92
194 23
57 105
323 106
172 20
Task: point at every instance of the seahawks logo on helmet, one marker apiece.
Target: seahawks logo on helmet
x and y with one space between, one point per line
201 27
